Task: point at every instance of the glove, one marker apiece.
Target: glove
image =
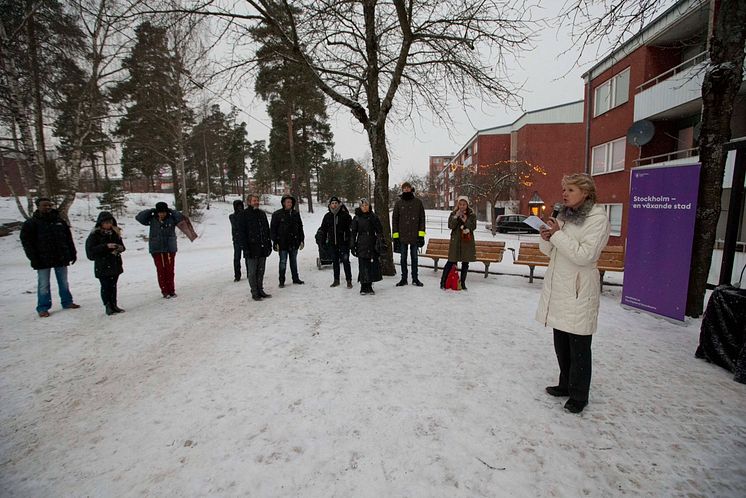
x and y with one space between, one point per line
72 261
397 245
420 241
301 246
276 247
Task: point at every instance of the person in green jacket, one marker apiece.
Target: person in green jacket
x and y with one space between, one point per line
463 248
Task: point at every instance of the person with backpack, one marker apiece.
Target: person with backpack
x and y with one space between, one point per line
367 243
462 222
286 231
335 232
104 247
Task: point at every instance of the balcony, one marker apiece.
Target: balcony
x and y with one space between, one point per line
677 92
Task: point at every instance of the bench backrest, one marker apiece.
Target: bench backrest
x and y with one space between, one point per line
486 249
611 256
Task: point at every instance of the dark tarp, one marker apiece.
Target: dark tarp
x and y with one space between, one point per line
723 334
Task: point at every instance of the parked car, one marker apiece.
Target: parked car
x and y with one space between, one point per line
512 223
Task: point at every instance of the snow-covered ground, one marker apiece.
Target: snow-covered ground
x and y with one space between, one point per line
321 392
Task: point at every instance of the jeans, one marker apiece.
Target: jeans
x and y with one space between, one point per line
255 274
410 249
44 291
293 253
574 358
237 251
341 253
109 290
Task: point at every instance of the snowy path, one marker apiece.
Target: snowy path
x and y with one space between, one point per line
321 392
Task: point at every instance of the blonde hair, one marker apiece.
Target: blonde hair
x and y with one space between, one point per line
584 182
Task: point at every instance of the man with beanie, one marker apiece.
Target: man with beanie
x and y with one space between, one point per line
408 227
162 243
253 235
335 232
237 209
48 243
286 231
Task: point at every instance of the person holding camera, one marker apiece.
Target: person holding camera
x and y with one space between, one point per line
104 247
462 222
408 231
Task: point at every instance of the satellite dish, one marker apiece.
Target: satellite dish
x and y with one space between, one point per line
640 133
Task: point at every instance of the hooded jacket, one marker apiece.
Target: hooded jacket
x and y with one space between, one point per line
253 233
107 261
366 230
408 219
572 285
335 228
238 207
48 241
286 228
162 236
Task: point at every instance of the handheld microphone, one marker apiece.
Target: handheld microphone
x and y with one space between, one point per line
556 209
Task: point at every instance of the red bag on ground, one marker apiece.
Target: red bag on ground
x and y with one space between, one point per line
453 281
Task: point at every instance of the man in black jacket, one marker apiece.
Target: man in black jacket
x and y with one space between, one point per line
48 243
253 235
233 218
335 232
286 230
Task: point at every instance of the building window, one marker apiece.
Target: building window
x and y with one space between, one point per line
614 212
612 93
475 147
608 157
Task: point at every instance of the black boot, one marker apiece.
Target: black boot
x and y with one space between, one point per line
416 282
575 406
282 283
402 282
349 284
263 294
116 308
335 283
557 391
109 309
370 289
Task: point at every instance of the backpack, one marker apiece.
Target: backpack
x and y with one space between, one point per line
453 281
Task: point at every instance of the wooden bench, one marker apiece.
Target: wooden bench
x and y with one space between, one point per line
611 259
487 252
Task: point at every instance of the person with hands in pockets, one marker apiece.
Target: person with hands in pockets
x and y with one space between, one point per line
572 287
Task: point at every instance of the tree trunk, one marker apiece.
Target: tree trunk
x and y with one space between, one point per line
94 169
180 162
13 192
380 157
719 89
23 166
291 149
106 166
40 143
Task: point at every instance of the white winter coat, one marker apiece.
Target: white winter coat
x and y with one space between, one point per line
572 285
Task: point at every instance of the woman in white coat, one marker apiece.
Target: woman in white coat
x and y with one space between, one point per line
572 286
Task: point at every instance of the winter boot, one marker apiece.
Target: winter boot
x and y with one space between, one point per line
116 308
363 289
298 281
109 309
370 289
443 280
416 282
557 391
263 294
402 282
335 283
575 406
349 284
282 283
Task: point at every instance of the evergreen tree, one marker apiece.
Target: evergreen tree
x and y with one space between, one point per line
156 113
261 170
113 198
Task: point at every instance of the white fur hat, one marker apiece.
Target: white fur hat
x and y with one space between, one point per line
463 198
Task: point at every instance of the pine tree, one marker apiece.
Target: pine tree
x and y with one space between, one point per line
113 198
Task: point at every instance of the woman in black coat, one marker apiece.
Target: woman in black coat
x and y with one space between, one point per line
104 247
367 233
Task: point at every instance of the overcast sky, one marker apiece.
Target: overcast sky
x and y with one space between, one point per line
549 75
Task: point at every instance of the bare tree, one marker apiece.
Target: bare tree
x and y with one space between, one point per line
721 83
390 58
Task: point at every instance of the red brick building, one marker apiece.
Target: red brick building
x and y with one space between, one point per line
551 138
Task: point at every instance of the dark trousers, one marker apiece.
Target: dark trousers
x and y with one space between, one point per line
293 255
255 274
574 358
237 252
341 253
411 250
164 266
109 289
447 269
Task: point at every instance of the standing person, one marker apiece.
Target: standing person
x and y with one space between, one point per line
366 232
462 247
162 243
104 246
335 232
408 227
286 230
572 286
234 217
48 243
253 233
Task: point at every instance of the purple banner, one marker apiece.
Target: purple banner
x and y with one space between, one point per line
660 231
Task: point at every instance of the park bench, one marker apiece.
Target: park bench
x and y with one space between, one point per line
611 259
487 252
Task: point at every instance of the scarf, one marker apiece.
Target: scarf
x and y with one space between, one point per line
578 215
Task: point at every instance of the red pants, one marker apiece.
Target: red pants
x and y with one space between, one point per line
164 265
